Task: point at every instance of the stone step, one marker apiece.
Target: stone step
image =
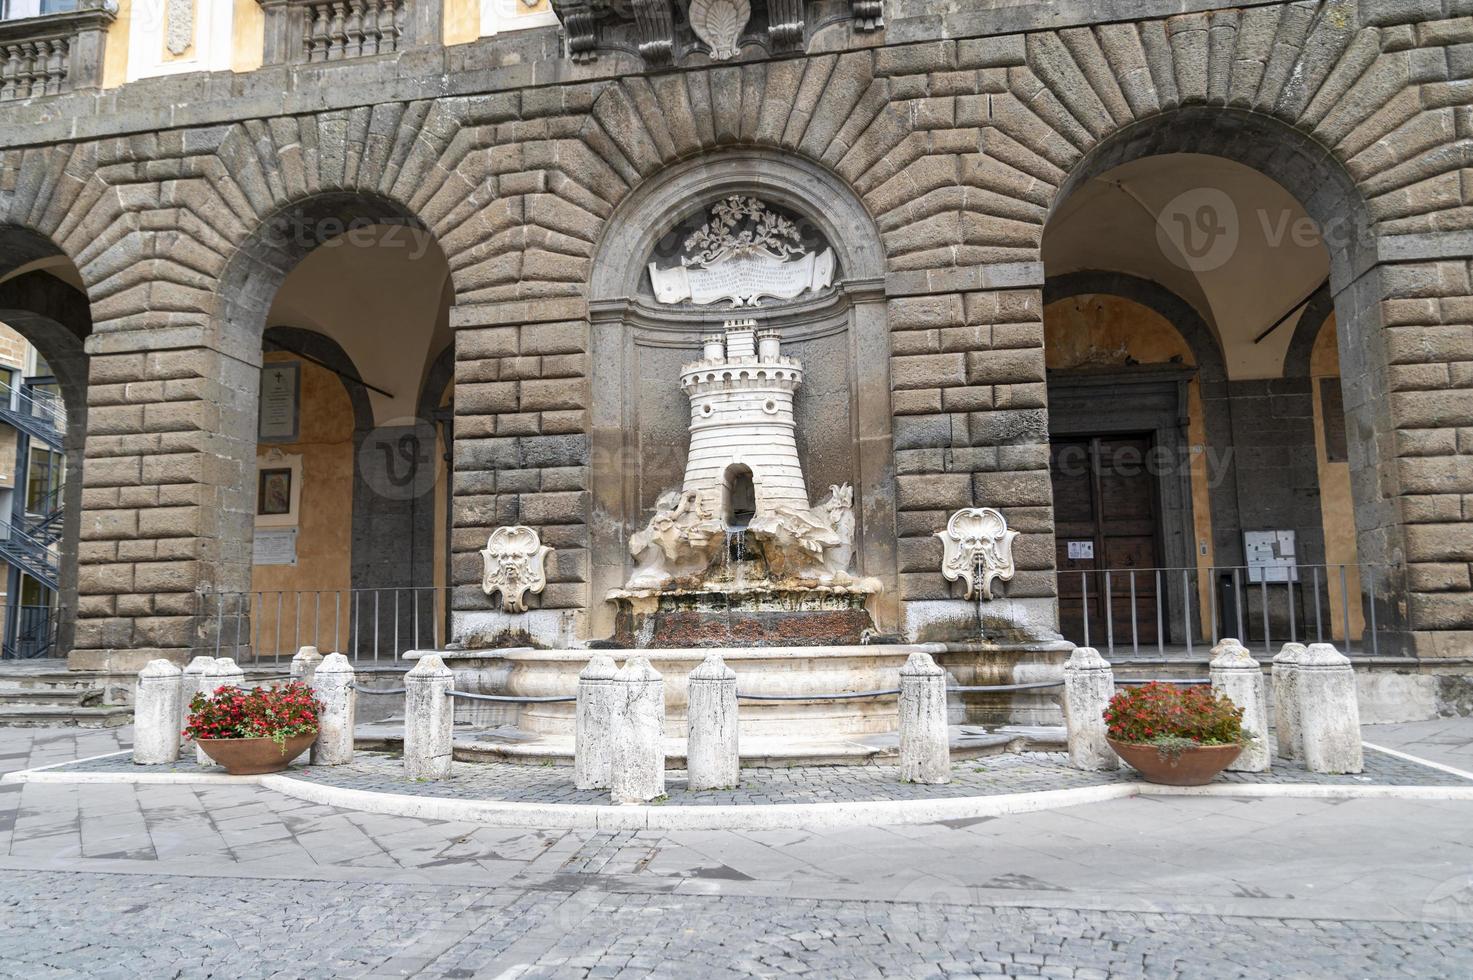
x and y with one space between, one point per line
46 715
78 696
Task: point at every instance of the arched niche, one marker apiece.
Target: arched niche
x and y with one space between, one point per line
640 416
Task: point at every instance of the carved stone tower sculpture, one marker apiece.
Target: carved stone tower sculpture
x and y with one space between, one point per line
743 462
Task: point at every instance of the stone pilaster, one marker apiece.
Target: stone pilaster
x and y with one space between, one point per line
166 503
971 430
522 457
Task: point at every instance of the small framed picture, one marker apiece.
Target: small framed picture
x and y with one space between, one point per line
274 493
278 489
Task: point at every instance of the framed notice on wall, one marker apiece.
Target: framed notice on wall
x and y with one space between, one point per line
281 390
275 546
1271 556
278 489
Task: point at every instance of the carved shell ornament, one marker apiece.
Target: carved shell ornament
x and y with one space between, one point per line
515 563
720 24
977 545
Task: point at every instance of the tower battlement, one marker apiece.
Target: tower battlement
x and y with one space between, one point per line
742 424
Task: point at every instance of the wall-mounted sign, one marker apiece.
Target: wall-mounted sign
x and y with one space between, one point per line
1271 556
281 389
1081 550
275 546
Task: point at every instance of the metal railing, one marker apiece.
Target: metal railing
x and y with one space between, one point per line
45 408
32 555
1189 609
35 634
364 624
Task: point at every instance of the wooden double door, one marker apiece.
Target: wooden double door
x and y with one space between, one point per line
1106 516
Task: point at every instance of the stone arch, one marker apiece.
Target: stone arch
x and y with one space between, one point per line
56 319
244 295
1338 204
1312 319
792 181
1175 310
1293 159
850 320
282 239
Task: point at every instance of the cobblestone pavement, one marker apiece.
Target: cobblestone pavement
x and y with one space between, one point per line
994 775
229 880
160 926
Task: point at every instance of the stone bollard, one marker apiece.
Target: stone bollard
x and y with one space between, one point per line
156 714
638 770
429 719
712 758
1089 684
925 744
593 729
1235 673
1329 712
333 683
305 664
195 681
228 672
1285 673
210 679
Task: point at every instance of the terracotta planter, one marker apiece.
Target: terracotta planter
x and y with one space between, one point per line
254 756
1190 767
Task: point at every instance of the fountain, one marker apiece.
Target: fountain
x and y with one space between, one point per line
737 556
736 559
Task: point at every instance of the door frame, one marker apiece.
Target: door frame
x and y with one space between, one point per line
1146 399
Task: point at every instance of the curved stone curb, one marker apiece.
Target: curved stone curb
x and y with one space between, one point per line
789 816
873 813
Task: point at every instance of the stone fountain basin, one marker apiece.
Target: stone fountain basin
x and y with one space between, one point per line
803 672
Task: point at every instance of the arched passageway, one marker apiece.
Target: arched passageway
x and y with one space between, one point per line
44 323
1188 275
346 499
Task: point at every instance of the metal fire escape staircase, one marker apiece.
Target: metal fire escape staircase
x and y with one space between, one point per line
30 546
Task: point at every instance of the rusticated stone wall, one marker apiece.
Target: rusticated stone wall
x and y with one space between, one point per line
959 148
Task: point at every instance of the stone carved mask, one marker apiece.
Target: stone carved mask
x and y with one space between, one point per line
514 563
977 544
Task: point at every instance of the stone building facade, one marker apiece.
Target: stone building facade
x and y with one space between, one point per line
935 146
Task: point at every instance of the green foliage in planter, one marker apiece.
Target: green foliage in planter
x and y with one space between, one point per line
277 713
1174 718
